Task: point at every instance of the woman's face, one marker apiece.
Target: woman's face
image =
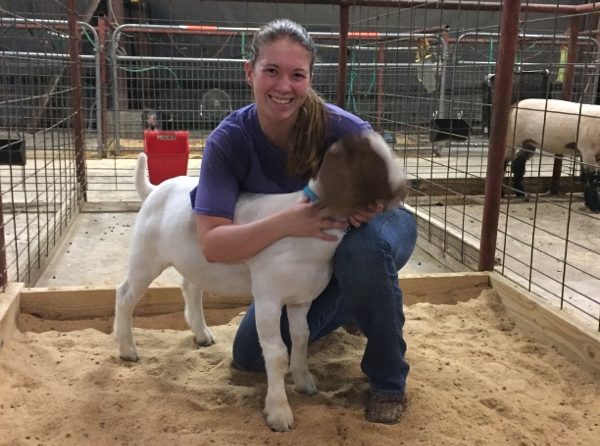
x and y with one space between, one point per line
280 79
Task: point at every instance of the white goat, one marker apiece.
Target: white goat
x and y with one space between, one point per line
292 271
559 127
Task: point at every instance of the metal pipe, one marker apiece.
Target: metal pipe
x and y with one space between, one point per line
567 95
552 38
450 5
98 54
74 44
241 62
499 125
35 55
343 54
445 52
228 31
103 27
115 89
567 90
380 88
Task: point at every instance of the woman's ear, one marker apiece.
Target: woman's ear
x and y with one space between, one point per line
248 71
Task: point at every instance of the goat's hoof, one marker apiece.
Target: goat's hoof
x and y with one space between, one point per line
280 420
204 339
131 357
204 343
306 390
306 385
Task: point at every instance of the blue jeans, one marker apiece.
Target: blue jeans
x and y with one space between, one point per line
364 289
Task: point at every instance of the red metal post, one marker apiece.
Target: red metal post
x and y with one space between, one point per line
567 95
117 8
343 55
77 120
499 125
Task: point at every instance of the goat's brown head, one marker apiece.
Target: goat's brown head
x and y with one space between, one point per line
357 171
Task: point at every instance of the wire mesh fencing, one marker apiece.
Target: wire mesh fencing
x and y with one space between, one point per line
39 188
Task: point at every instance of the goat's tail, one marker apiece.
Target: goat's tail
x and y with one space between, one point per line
142 184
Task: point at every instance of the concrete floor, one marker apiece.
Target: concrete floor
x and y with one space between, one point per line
96 250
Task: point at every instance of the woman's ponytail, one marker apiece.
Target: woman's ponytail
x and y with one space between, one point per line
308 135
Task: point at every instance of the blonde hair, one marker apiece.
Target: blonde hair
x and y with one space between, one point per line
310 128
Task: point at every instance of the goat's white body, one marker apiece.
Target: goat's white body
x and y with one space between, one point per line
291 271
165 235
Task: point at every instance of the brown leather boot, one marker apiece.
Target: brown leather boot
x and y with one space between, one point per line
386 409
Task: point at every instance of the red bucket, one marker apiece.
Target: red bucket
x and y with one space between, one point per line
168 154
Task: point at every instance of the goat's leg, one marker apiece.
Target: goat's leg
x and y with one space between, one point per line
299 333
128 294
194 313
277 409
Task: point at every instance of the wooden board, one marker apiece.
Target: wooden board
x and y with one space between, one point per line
547 324
543 322
9 307
442 288
67 303
459 187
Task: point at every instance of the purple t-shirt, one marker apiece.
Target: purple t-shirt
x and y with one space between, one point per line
239 158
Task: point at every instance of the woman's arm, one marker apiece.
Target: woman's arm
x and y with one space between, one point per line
222 241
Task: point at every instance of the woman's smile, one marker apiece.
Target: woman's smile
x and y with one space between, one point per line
281 101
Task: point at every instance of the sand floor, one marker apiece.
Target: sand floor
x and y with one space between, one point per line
476 379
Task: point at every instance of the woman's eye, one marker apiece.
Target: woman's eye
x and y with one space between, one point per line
299 76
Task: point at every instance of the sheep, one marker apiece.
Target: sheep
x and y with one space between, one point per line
559 127
355 171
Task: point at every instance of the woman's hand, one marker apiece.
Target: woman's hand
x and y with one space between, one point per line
365 215
306 219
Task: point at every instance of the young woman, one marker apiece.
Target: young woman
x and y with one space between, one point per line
274 146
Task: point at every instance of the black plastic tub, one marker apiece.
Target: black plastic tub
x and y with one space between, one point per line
449 129
12 152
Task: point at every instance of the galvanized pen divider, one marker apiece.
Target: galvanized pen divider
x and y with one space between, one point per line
41 182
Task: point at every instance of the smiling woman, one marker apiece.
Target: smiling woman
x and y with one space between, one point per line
280 79
280 71
275 146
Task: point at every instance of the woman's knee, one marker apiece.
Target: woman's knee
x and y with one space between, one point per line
360 251
390 235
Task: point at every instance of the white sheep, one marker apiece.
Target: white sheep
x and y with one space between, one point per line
558 127
356 171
